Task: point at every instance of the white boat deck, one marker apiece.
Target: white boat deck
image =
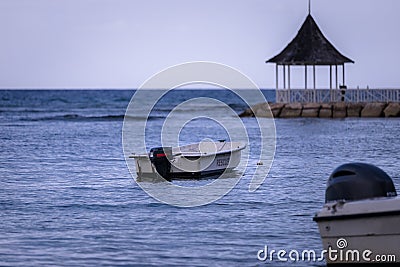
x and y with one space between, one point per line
207 148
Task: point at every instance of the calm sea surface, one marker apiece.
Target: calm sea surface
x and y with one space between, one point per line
68 199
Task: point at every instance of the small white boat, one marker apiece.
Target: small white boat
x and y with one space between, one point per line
191 161
360 221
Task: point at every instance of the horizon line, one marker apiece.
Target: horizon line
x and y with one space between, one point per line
125 89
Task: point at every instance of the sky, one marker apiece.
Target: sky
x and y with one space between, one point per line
121 43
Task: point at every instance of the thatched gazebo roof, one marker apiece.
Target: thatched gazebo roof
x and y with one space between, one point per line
310 47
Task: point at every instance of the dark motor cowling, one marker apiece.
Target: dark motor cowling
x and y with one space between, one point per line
159 157
356 181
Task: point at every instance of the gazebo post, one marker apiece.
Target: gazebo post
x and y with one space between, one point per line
330 81
276 77
305 72
343 75
290 98
314 77
315 91
284 76
336 77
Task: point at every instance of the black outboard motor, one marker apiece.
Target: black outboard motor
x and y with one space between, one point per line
159 157
356 181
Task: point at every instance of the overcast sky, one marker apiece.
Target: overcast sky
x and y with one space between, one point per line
121 43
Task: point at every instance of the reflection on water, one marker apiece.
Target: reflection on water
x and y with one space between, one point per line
188 181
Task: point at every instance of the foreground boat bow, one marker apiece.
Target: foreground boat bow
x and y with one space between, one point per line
359 223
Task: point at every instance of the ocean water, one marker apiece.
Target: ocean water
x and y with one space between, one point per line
68 199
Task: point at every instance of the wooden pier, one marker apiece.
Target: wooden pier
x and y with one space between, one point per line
337 95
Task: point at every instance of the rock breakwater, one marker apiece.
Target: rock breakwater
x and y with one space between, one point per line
324 110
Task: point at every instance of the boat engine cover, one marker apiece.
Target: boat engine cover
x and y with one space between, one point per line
160 157
356 181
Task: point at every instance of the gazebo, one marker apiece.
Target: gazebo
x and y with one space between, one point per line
310 48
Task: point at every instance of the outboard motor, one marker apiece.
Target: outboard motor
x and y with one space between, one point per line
356 181
159 157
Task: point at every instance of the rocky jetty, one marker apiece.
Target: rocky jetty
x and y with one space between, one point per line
323 110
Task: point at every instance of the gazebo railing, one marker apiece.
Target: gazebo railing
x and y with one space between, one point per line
337 95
